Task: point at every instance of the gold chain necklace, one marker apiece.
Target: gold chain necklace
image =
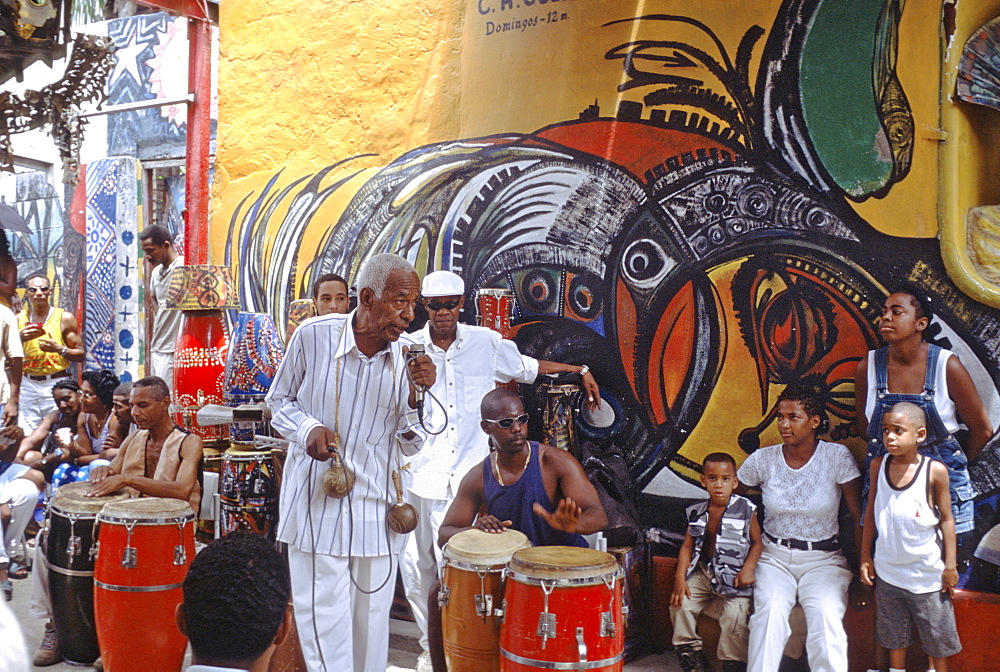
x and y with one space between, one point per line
496 464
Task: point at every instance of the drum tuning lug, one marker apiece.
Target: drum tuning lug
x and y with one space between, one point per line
502 610
180 555
607 624
581 645
73 547
484 605
443 596
546 626
93 549
129 557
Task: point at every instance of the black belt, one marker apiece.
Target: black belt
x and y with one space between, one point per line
52 376
831 544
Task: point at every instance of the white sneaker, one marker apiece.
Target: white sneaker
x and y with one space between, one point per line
424 662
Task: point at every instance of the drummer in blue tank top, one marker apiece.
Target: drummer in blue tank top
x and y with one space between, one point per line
520 483
910 369
517 487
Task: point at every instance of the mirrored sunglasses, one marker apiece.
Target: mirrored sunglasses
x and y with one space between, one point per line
507 423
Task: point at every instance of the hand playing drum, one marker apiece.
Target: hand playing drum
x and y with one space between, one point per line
491 524
566 517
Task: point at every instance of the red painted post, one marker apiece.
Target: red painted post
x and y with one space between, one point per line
199 134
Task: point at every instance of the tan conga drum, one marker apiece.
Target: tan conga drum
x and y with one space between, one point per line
563 611
471 597
69 558
146 546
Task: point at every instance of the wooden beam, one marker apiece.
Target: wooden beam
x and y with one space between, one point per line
205 10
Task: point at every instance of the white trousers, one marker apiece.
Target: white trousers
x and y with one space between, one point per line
162 364
35 402
421 557
21 495
819 580
41 603
341 628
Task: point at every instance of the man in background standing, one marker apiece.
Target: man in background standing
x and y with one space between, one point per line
51 339
330 294
161 259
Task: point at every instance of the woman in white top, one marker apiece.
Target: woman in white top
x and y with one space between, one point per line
802 481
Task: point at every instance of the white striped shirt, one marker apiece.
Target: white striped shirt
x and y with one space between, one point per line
372 394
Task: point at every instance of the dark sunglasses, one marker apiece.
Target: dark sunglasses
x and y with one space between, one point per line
435 306
507 423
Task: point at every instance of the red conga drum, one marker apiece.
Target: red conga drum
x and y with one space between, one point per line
563 610
146 546
199 369
248 492
495 307
69 558
472 595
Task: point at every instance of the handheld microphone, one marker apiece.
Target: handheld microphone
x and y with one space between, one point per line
416 350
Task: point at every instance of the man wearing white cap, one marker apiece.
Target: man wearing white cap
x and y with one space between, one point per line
470 362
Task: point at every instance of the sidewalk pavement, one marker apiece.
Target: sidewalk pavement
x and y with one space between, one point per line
403 644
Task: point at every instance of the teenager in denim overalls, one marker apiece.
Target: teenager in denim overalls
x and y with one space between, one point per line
904 317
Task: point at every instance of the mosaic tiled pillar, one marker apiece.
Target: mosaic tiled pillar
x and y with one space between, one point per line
111 324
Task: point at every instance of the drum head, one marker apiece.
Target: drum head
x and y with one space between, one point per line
484 549
563 562
147 510
71 498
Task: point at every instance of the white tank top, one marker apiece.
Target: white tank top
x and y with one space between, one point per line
942 401
908 548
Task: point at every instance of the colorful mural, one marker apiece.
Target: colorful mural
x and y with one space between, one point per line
705 241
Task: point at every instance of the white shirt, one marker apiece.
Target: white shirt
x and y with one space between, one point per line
371 395
908 549
166 323
800 503
10 339
472 366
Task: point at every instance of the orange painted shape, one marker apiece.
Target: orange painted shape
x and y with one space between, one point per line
671 352
636 147
626 314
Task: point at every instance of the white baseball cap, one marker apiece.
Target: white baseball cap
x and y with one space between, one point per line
442 283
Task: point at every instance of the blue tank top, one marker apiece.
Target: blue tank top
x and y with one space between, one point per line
513 502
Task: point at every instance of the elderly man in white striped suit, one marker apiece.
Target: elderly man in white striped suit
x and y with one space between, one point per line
345 383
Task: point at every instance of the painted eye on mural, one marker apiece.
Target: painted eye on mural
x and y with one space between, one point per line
582 299
39 3
538 289
756 202
645 263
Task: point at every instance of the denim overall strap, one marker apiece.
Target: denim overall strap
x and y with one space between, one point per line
940 444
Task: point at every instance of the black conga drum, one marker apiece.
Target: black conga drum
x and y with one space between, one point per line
70 564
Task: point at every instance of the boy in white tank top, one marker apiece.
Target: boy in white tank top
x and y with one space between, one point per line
914 568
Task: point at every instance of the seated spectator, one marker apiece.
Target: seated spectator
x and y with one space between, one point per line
122 408
98 434
48 446
19 488
235 609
